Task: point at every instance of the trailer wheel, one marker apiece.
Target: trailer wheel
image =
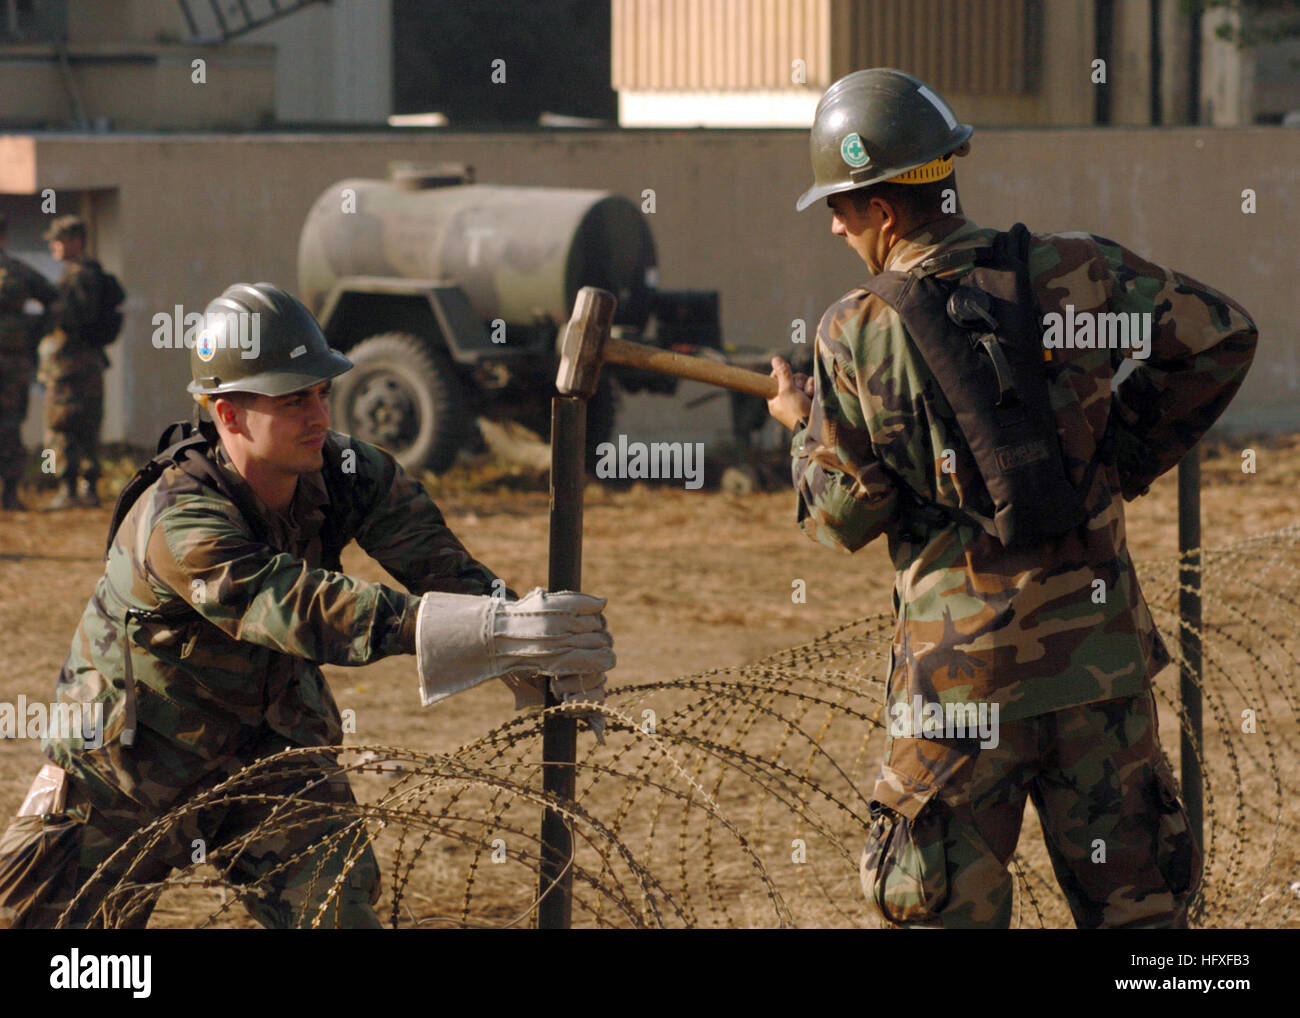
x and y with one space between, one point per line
403 395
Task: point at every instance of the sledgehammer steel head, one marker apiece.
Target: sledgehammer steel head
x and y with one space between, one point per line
583 340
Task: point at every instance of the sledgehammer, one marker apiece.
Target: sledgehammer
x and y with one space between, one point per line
584 346
584 350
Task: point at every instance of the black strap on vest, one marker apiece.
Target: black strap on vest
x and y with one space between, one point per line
981 337
186 444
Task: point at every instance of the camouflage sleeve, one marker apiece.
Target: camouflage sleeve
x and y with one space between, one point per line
405 532
846 496
249 591
1201 348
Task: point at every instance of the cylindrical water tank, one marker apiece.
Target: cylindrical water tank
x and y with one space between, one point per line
519 253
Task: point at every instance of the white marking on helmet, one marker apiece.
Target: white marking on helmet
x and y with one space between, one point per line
939 105
297 351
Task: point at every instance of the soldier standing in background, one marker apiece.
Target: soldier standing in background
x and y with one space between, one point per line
72 367
19 283
878 449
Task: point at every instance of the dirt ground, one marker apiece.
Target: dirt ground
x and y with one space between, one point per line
695 580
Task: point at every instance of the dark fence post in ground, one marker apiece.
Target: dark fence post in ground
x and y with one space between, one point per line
560 731
1189 636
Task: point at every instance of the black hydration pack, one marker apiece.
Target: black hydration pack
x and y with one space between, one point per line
981 337
185 444
102 330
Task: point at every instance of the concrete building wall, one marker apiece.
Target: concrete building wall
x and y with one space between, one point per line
131 86
333 62
125 67
194 214
136 20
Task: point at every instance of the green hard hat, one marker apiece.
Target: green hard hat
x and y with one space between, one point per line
257 338
876 124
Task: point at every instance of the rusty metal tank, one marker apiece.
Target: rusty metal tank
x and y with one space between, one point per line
520 254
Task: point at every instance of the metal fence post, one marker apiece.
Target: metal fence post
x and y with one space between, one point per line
559 731
1189 637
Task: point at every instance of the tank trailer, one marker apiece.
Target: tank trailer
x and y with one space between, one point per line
449 296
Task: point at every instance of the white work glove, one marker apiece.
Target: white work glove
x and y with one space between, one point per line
464 639
530 694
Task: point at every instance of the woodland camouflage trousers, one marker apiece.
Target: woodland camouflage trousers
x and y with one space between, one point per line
946 816
46 860
74 409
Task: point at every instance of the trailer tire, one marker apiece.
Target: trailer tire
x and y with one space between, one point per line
404 395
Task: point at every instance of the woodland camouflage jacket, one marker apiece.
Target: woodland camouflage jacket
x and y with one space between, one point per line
19 283
225 630
1031 631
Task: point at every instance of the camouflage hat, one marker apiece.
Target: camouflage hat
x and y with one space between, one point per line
880 124
257 338
66 226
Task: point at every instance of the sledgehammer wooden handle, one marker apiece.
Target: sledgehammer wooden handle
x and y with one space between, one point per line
680 365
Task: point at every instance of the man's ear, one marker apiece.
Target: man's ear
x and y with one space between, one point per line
225 413
890 221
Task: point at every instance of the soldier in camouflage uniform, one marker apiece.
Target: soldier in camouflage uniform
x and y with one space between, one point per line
72 370
1070 673
19 283
203 641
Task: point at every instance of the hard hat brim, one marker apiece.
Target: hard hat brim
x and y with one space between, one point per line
817 193
282 383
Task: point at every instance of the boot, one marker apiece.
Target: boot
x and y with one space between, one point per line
67 498
9 495
87 494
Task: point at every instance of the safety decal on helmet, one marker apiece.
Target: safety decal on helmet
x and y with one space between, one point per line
206 348
852 151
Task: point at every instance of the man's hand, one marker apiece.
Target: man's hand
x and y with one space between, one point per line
530 694
463 639
793 399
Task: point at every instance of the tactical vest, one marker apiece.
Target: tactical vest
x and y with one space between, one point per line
186 444
981 337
